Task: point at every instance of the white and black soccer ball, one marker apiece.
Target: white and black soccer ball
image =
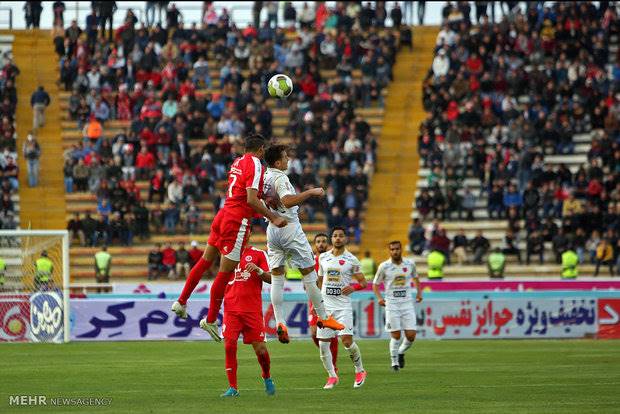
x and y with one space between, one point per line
280 86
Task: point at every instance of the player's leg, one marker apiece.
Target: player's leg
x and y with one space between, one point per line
395 341
231 330
312 319
326 357
277 258
195 274
260 348
346 336
393 326
409 325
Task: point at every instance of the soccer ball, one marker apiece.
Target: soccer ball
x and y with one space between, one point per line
280 86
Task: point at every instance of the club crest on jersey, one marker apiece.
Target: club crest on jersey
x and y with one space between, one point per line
248 259
342 262
405 269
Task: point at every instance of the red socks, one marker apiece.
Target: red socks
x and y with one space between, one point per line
193 278
218 288
230 346
333 346
265 363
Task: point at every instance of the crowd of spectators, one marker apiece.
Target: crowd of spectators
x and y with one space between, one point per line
502 97
185 127
9 182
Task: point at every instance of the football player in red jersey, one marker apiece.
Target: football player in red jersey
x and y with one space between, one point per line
243 313
230 230
321 244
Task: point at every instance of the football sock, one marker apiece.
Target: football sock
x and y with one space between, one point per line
230 347
193 278
314 294
405 346
356 357
277 297
265 363
394 346
218 288
315 340
333 347
326 357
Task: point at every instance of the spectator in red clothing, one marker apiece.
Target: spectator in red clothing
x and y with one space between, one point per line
194 253
441 242
169 261
158 186
145 162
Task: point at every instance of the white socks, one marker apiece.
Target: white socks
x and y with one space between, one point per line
356 356
326 357
394 348
277 297
404 346
314 294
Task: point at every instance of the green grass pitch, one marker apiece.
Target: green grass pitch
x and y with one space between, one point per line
522 376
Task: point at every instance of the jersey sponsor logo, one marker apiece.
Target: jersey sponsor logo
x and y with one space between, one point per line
333 291
400 281
400 293
333 275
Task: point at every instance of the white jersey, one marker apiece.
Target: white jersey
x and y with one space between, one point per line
337 272
396 281
278 184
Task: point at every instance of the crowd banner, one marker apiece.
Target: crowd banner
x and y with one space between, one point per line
509 315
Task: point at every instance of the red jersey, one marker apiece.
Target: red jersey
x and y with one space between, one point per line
244 291
245 172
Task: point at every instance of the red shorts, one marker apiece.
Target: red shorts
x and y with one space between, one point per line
229 234
313 318
251 324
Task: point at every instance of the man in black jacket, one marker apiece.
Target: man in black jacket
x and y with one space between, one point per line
106 11
155 262
480 245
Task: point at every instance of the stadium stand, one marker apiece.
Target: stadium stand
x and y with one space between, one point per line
518 166
9 199
160 124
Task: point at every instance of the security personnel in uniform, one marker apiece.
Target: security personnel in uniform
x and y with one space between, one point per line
570 260
435 262
368 266
496 263
103 262
43 271
2 272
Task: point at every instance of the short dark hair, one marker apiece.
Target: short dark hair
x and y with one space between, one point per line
395 242
336 228
320 235
254 142
273 154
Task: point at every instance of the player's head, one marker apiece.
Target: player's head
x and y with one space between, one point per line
396 250
320 243
277 157
255 144
339 237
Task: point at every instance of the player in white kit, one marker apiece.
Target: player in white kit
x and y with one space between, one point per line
396 274
338 269
289 242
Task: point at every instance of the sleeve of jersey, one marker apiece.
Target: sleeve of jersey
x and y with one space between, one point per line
264 262
284 186
254 173
320 267
355 266
414 270
379 275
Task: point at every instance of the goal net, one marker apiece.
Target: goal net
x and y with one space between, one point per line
34 286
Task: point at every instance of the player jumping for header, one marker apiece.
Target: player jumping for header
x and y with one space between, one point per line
396 274
243 313
290 241
337 269
230 230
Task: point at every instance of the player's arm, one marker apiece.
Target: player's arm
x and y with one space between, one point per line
416 282
262 269
361 284
260 207
292 200
320 273
375 286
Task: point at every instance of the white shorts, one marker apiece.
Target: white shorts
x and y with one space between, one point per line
403 319
345 317
289 244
